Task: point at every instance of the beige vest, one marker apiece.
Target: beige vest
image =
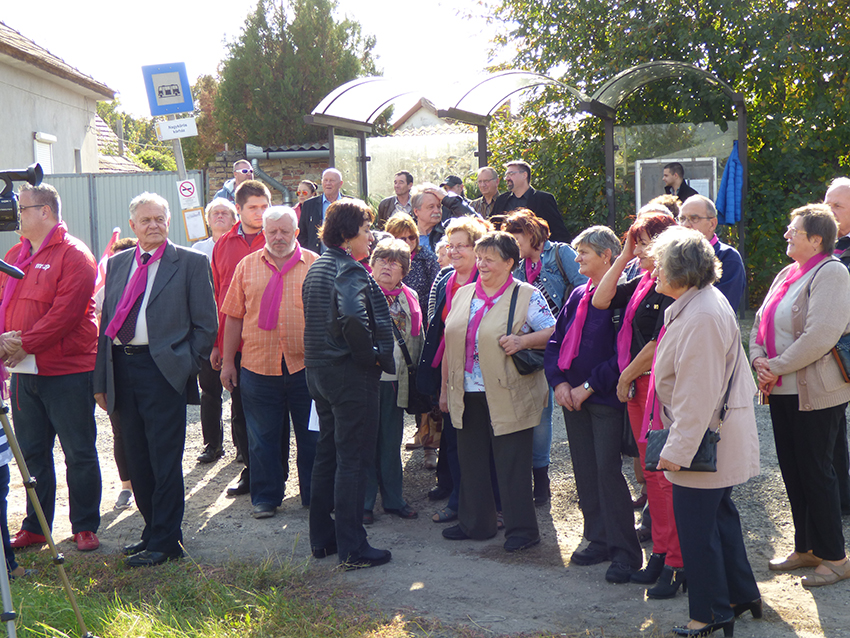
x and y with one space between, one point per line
516 401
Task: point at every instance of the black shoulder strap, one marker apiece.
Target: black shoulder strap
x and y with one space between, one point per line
825 262
560 265
402 345
514 296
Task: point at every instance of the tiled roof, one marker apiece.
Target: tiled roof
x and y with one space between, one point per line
18 50
108 160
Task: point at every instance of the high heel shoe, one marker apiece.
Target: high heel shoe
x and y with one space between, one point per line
755 607
728 628
668 583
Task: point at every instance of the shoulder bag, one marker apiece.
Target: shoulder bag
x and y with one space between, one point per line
417 403
526 361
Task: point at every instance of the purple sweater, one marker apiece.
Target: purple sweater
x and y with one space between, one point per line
596 361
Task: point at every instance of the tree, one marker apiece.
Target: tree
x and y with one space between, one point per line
140 139
286 60
199 150
788 59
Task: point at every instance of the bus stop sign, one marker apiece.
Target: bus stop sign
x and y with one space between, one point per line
168 89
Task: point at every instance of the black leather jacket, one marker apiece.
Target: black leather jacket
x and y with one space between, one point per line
346 315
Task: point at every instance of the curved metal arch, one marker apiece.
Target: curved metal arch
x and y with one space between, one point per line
488 93
362 100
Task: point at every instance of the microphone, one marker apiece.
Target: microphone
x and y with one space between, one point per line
9 269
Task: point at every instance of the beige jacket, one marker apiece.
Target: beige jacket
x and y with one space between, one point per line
819 316
694 362
516 401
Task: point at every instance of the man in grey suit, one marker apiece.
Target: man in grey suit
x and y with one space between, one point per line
159 320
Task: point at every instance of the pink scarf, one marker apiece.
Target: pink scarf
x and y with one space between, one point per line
133 290
767 330
24 259
441 349
532 271
475 322
652 410
624 338
270 303
415 311
572 340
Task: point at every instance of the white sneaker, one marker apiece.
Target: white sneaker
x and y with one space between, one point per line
125 500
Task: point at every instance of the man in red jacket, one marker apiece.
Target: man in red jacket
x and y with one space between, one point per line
48 340
246 236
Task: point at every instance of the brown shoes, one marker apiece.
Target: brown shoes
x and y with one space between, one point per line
838 572
794 561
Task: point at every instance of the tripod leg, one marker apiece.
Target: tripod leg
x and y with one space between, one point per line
29 483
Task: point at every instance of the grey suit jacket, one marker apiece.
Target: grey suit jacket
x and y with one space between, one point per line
181 316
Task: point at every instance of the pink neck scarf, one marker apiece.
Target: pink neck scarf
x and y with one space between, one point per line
475 322
767 330
270 303
624 338
532 271
415 311
133 290
572 340
652 410
450 284
24 259
714 241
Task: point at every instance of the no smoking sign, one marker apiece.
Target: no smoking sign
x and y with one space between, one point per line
188 194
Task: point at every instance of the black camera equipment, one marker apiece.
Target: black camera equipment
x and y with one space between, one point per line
8 200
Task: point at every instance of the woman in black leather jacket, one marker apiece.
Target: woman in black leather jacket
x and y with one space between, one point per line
348 342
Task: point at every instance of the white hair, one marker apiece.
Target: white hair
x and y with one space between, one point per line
149 198
331 170
839 182
220 202
274 213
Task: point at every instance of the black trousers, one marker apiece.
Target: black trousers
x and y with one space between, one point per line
841 463
805 443
153 422
512 455
210 382
719 574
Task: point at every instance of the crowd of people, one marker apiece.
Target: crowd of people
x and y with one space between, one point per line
475 317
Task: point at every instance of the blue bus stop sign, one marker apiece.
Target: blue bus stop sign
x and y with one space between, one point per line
168 88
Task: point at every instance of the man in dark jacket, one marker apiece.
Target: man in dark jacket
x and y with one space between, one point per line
313 210
673 177
520 194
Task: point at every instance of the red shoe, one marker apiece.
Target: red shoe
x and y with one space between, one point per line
86 541
25 539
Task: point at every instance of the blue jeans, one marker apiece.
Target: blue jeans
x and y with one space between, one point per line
42 408
542 442
267 401
386 472
346 397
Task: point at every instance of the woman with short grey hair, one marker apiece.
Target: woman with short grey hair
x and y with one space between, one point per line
581 365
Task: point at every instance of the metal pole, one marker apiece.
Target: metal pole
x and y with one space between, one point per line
178 155
609 171
742 225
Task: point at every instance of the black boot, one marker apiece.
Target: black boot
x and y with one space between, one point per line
649 574
541 485
668 583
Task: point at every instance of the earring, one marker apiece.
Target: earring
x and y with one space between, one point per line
348 249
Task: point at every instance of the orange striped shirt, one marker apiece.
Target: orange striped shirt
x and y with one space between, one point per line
262 350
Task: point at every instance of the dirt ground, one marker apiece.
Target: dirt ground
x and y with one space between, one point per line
473 583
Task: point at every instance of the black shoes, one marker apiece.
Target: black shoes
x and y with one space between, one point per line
519 543
324 552
590 555
211 454
619 573
668 584
135 548
455 533
439 493
264 510
242 487
147 558
403 512
368 517
755 607
728 627
371 557
650 573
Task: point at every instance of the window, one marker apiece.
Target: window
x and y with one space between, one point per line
43 150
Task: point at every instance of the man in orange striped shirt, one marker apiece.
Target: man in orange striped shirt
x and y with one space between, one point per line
264 310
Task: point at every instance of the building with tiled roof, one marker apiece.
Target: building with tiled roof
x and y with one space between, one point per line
112 158
48 108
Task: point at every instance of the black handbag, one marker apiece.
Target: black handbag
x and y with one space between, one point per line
417 403
705 460
526 361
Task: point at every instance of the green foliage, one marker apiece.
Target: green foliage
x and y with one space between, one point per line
140 140
287 59
789 60
199 150
157 160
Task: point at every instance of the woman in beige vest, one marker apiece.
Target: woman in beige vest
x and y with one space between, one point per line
492 406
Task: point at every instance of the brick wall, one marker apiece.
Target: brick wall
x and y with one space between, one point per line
287 171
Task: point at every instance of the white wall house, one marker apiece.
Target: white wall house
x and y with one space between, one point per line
47 109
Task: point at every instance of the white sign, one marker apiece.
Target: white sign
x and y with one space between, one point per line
175 129
188 193
195 227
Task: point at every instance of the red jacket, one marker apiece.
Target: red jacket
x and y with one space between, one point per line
229 250
53 308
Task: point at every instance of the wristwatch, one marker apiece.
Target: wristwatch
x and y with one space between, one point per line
587 387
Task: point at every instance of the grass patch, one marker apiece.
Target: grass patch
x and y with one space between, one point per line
188 600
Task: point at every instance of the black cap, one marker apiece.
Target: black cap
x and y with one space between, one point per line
451 180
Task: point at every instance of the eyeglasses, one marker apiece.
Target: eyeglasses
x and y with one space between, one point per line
690 219
303 193
411 238
31 206
458 247
484 181
380 261
244 171
509 173
793 232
